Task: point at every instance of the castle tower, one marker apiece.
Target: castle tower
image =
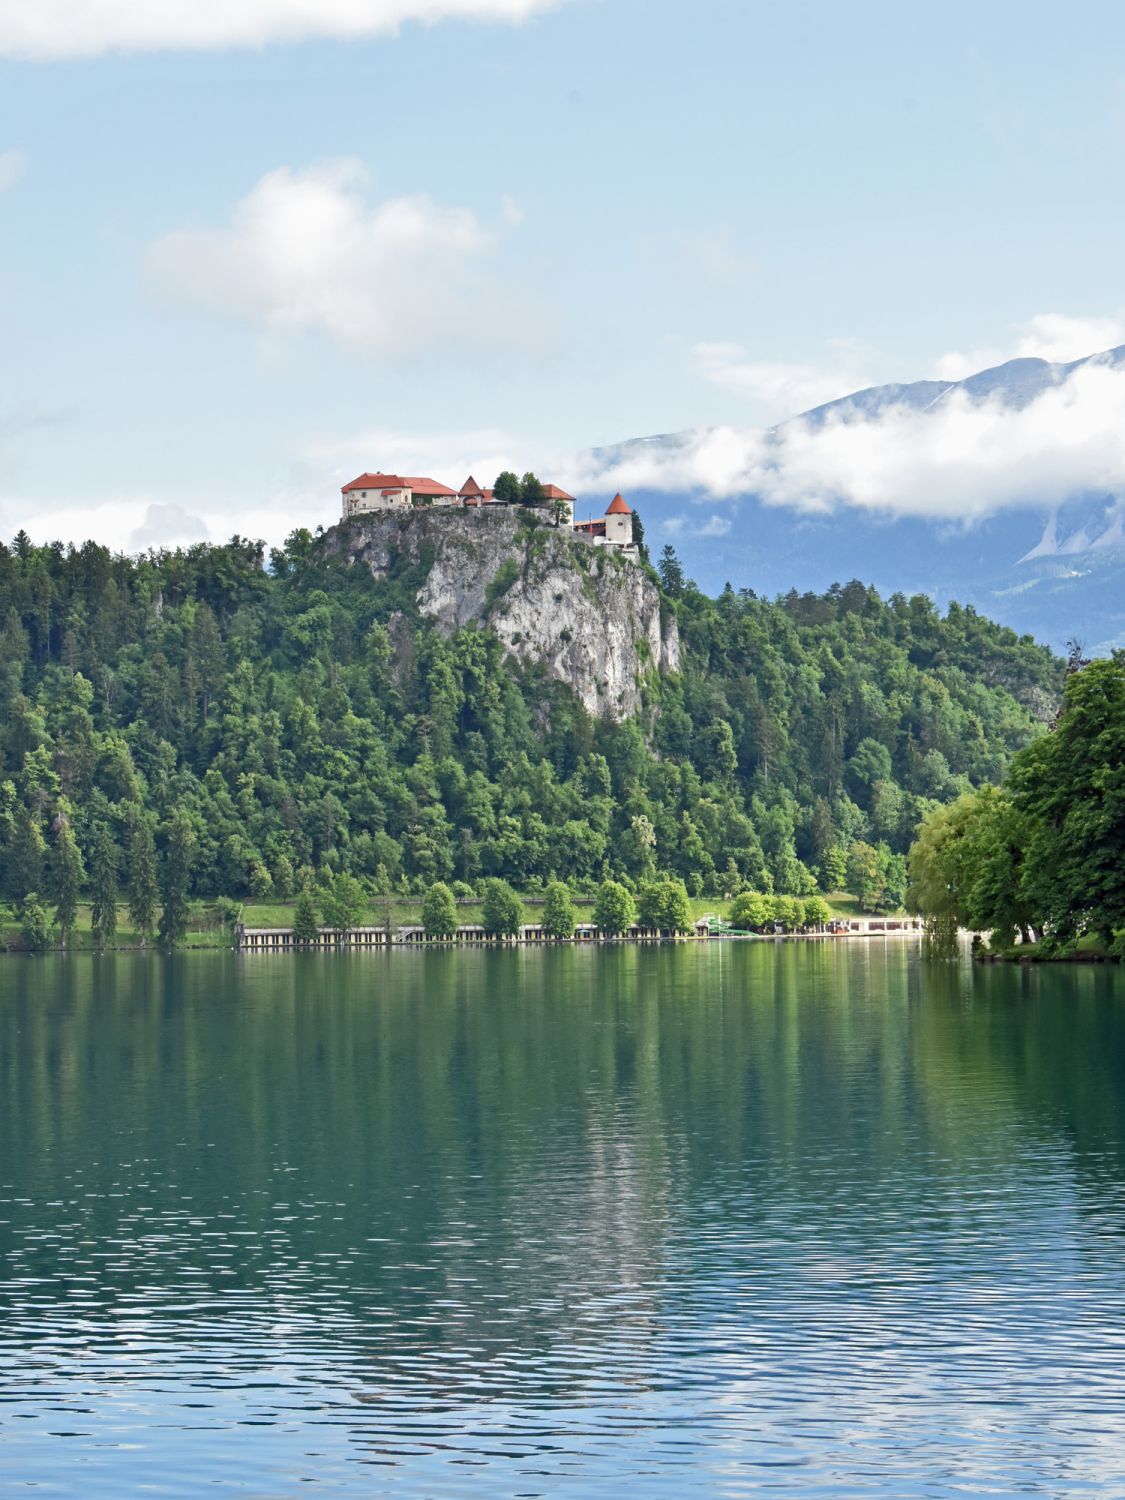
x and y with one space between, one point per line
618 523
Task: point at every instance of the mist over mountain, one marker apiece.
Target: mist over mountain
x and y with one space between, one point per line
1003 490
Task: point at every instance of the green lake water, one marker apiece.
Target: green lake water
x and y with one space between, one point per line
715 1219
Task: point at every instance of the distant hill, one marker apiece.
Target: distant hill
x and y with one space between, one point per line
1056 572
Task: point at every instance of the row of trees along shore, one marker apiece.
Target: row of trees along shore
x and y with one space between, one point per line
1041 859
209 724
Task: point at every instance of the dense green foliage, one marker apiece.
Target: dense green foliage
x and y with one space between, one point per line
1044 855
754 912
238 730
559 915
439 911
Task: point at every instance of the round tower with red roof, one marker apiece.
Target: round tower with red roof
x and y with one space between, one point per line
619 523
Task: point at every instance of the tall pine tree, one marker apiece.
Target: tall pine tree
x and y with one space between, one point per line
103 887
174 876
68 873
29 850
142 876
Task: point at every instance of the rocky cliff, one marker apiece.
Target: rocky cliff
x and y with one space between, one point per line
593 619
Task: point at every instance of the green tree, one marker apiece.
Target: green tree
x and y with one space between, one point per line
305 927
559 915
506 488
752 911
1070 786
502 910
648 904
675 912
175 874
35 927
68 874
104 871
834 868
439 911
28 856
342 903
790 912
141 876
614 909
671 572
867 875
531 491
816 911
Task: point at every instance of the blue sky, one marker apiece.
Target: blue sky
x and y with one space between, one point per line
233 275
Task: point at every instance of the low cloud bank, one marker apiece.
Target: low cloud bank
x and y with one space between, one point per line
44 29
956 461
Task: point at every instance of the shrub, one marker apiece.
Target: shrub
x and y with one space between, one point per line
35 927
499 584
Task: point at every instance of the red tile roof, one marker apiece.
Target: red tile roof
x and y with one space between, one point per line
552 492
419 485
471 487
376 482
617 507
423 486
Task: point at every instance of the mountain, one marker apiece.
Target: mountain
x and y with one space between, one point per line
1054 569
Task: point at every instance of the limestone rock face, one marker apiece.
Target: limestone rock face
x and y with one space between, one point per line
591 618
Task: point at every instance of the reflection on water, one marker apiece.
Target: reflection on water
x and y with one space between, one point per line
722 1220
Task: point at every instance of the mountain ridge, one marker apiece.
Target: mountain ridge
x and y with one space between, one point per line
1056 571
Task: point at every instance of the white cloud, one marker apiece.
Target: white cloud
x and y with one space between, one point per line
42 29
957 461
448 456
166 525
777 389
1056 337
683 525
306 251
13 166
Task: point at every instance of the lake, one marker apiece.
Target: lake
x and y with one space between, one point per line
711 1219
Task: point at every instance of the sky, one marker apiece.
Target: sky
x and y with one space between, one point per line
250 249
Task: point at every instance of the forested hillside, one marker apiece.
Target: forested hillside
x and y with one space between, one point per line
239 724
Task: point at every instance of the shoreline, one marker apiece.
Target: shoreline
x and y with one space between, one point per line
448 945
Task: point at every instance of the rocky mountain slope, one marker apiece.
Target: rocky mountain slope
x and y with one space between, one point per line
591 618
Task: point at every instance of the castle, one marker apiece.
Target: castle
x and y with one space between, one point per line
374 493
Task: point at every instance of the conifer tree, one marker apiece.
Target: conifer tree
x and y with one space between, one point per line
29 852
67 875
305 927
142 876
174 876
103 887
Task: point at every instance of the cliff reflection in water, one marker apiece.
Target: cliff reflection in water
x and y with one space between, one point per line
535 1207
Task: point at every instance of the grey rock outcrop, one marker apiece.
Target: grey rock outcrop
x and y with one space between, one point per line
590 617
